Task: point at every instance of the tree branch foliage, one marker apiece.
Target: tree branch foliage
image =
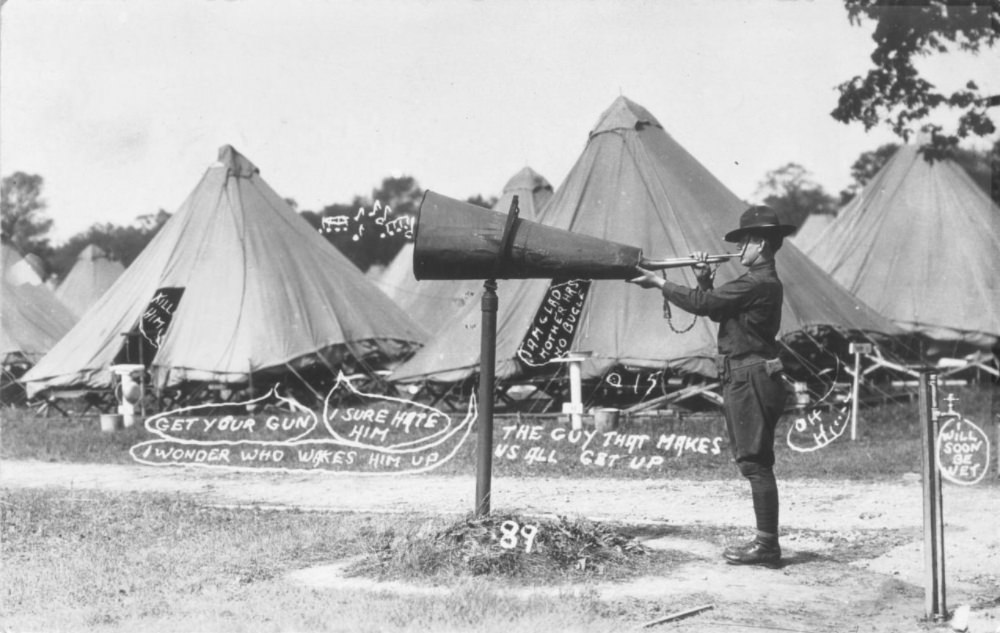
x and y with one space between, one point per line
402 194
22 212
792 193
894 93
121 243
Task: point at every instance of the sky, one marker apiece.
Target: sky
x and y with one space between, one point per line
122 105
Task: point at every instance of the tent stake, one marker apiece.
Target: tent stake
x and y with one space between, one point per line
679 614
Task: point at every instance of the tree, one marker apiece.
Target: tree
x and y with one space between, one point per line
865 168
480 201
22 210
122 243
361 232
982 167
895 93
365 239
790 191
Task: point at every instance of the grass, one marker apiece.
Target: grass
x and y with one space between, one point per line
98 561
102 561
80 560
887 446
508 545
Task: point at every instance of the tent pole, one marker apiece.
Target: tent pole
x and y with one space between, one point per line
326 364
487 371
303 381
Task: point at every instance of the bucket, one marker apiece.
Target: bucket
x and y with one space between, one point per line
606 419
111 422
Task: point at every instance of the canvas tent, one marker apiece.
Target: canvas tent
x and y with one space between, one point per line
20 270
810 230
33 320
234 284
91 276
431 302
635 185
921 244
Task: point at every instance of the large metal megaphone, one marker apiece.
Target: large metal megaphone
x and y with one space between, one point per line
458 240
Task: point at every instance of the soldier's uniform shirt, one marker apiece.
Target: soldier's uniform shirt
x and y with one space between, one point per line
748 311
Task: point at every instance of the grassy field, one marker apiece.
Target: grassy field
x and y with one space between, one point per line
887 446
95 561
91 561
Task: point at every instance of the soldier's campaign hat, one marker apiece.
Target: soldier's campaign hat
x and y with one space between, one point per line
760 220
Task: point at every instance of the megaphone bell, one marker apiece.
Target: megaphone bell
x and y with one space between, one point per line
459 240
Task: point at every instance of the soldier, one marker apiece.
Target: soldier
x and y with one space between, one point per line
748 311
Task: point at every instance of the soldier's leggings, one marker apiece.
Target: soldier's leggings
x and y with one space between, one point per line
753 400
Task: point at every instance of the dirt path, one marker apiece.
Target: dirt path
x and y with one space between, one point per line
828 527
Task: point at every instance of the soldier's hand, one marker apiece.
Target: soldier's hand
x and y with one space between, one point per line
703 271
647 279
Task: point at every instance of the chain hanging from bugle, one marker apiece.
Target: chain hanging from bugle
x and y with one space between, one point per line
681 262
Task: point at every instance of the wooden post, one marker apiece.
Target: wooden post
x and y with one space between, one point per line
574 361
487 371
934 589
857 349
576 394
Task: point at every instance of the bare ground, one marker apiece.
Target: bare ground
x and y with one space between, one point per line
854 555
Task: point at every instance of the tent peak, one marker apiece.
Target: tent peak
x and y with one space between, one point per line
92 252
527 180
235 163
624 114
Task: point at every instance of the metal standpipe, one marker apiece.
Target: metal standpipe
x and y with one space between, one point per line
934 586
857 349
487 371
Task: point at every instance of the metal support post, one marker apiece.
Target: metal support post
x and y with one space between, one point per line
487 371
934 586
857 349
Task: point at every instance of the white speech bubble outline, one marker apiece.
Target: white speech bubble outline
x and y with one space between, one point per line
937 451
273 392
843 428
344 380
466 424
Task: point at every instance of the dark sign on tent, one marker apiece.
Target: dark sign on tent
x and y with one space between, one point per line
142 343
555 323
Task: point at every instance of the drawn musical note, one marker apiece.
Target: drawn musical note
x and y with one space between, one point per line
335 223
385 212
382 214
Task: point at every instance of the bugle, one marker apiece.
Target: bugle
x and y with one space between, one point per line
681 262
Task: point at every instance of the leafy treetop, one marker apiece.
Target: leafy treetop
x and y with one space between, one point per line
895 93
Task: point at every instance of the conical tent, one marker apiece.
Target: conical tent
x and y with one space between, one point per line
235 282
17 269
91 276
921 244
635 185
432 302
33 320
810 230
